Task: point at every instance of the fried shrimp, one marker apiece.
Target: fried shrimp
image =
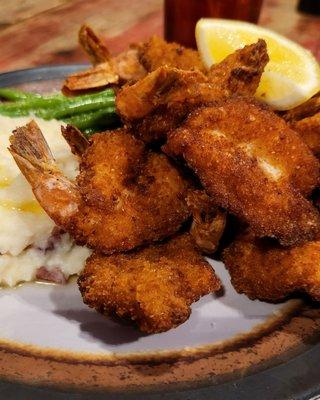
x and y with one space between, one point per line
125 195
152 287
166 85
156 53
161 101
145 105
253 165
263 270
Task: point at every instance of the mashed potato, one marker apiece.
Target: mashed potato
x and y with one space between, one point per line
31 246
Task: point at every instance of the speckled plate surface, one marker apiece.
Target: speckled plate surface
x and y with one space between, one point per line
53 347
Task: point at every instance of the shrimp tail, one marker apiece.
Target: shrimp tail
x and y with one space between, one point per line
93 46
57 195
77 141
30 149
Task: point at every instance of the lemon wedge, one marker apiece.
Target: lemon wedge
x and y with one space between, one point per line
292 75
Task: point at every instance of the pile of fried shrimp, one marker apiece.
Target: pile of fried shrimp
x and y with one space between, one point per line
198 167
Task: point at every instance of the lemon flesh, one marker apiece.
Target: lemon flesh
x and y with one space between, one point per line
290 78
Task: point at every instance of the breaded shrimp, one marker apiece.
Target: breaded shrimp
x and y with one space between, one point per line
156 53
152 287
165 85
161 101
125 195
253 165
262 269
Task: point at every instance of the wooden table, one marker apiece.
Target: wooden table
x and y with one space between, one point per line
39 32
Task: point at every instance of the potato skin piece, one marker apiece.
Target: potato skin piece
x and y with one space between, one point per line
253 165
152 287
261 269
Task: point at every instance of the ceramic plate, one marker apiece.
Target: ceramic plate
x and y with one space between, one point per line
53 347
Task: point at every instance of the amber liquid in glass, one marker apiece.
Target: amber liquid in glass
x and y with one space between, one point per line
181 16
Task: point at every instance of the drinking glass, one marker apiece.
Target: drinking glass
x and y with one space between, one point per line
181 16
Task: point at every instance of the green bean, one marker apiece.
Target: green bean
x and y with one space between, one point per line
15 113
100 118
91 112
71 108
15 94
46 102
30 104
106 92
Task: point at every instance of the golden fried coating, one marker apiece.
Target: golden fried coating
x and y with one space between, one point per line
208 221
309 131
125 195
160 102
152 287
253 165
156 53
166 85
263 270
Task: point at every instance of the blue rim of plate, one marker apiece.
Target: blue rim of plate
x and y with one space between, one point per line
38 74
296 379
